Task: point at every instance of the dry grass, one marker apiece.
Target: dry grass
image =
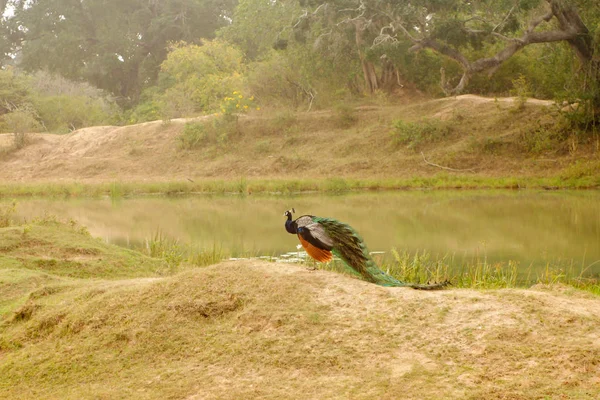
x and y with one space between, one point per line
80 319
255 329
486 136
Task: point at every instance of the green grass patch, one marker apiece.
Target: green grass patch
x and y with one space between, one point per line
68 250
479 273
581 175
416 134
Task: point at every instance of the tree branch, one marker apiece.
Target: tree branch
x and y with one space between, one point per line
446 168
505 19
571 29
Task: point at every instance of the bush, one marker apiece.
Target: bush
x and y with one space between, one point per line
65 113
20 122
6 213
196 78
193 135
345 116
541 139
46 102
416 134
272 81
521 90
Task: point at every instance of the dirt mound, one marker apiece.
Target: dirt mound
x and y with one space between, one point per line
251 329
357 143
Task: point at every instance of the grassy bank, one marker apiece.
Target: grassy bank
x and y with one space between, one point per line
80 319
461 142
118 189
67 249
476 273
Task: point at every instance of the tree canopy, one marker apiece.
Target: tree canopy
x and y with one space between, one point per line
152 55
117 46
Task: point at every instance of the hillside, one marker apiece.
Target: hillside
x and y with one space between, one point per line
249 329
474 135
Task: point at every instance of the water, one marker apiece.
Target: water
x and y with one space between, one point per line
530 227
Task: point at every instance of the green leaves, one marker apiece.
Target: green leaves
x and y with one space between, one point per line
117 46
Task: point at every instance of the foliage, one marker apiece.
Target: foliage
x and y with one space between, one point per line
15 90
6 213
66 113
47 102
20 122
345 116
193 79
116 46
540 139
291 53
521 91
260 25
235 104
416 134
192 135
581 169
274 80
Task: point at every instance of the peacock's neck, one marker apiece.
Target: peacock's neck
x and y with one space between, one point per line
290 226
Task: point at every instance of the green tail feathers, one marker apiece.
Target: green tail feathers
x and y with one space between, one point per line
351 248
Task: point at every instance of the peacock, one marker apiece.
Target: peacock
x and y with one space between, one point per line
324 237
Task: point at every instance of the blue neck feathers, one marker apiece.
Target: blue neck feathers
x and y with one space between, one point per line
290 225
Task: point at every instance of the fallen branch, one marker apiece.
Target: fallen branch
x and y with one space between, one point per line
446 168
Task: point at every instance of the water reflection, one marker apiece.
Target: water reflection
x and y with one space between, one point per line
530 227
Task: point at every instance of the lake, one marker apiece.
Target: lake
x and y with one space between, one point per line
534 228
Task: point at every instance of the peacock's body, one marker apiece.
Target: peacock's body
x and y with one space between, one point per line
324 237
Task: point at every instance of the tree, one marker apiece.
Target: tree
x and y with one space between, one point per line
193 78
201 75
478 36
117 45
455 27
347 28
259 25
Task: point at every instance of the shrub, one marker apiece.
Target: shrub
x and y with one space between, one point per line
522 91
416 134
541 139
345 116
193 134
6 213
64 113
232 106
196 78
20 122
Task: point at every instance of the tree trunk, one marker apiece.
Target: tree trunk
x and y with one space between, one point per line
370 75
570 21
389 76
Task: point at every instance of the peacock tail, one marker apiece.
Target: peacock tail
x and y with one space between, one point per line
351 248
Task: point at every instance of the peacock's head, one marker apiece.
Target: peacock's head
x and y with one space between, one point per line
289 213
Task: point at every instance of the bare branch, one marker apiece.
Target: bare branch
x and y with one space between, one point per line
446 168
505 19
310 93
385 37
409 36
362 8
508 39
305 14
